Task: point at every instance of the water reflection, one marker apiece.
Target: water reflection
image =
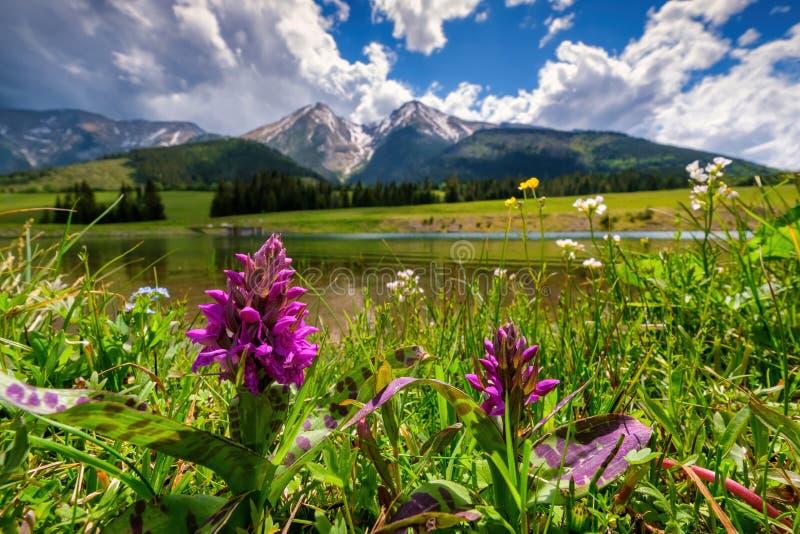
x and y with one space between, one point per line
341 271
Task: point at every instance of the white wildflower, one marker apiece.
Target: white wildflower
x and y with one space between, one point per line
590 206
592 263
708 182
500 272
569 248
726 192
406 285
722 162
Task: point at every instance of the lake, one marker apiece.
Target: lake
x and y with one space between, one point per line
341 268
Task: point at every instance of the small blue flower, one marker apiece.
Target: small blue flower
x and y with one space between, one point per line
152 292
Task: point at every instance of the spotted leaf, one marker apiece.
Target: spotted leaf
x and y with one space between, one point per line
434 505
588 449
103 412
42 401
300 443
408 356
171 513
255 420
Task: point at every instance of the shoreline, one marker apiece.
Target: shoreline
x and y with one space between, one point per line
187 212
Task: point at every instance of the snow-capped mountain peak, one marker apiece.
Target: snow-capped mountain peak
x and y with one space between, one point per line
318 138
315 135
429 121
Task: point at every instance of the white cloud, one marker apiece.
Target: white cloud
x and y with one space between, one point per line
777 10
285 57
749 37
232 65
134 11
458 102
139 67
647 89
561 5
482 16
421 21
750 110
515 3
555 25
197 20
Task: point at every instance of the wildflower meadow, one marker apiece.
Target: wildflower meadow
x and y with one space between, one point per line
647 389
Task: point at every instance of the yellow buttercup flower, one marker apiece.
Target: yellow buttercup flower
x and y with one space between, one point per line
511 202
530 183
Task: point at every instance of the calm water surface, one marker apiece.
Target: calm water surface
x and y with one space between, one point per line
340 268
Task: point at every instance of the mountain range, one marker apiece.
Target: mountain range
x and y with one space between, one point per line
36 139
414 142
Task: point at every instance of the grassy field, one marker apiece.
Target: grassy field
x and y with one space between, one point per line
102 174
662 395
647 210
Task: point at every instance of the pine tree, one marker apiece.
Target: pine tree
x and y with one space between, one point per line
153 206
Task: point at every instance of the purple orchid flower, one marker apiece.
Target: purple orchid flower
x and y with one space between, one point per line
507 374
257 323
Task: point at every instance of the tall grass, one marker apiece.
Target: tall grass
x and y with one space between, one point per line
698 340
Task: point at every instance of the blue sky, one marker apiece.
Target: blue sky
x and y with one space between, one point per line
721 75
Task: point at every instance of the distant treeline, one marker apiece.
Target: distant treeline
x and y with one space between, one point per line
137 204
272 191
567 185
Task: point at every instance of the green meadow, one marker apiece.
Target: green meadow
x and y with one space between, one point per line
185 210
640 390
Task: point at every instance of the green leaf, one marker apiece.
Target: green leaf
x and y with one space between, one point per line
775 420
588 451
239 466
11 459
103 412
301 441
475 420
257 419
641 456
169 513
320 473
733 430
434 505
408 356
779 241
471 414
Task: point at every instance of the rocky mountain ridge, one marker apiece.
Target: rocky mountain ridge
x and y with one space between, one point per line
34 139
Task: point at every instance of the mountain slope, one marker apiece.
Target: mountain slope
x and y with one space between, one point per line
397 157
415 141
515 152
206 163
192 165
36 139
317 138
